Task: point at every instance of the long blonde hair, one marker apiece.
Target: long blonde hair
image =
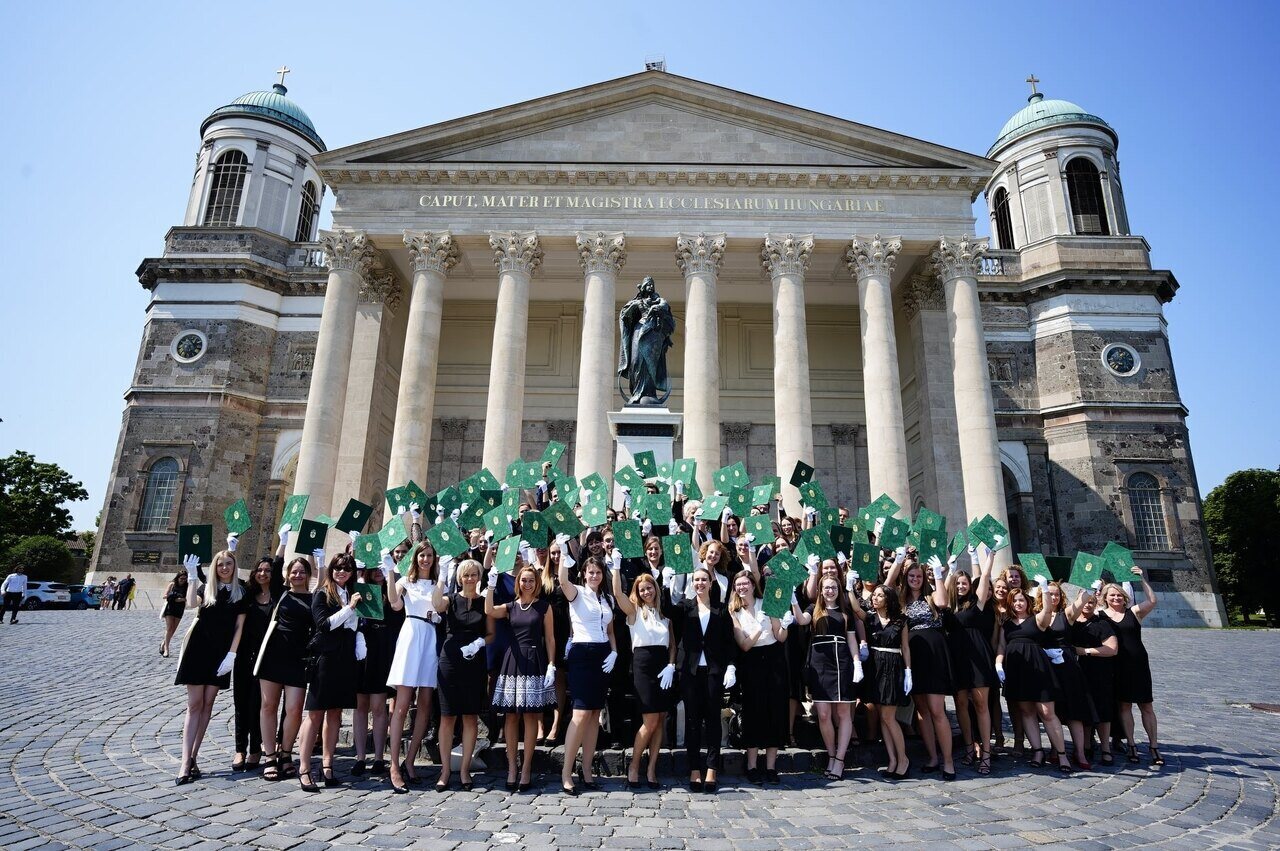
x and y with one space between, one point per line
237 587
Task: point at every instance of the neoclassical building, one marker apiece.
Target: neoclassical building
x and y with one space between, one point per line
832 306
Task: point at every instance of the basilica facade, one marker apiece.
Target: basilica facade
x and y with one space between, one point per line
832 306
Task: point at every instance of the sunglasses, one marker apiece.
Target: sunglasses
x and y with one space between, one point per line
342 569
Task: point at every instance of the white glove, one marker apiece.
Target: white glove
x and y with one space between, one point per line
667 674
362 647
285 529
416 511
192 564
679 489
318 555
232 541
462 509
810 511
951 565
1000 671
857 670
568 646
439 514
228 662
849 578
984 552
812 563
284 536
673 527
864 652
668 576
899 555
1096 586
469 651
1054 654
906 681
730 676
938 572
878 527
550 679
615 559
973 553
447 568
388 566
647 526
609 662
491 579
841 559
455 514
1042 583
787 620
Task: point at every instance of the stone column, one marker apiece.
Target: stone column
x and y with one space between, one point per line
516 254
786 258
699 257
432 255
871 261
348 254
602 255
958 261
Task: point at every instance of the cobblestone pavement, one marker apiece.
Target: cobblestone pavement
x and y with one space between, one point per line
90 727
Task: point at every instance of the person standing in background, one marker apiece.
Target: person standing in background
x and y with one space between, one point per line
14 589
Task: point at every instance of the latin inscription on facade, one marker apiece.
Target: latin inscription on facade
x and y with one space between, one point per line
711 203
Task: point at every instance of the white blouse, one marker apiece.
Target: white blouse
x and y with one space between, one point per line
417 597
589 617
651 629
749 622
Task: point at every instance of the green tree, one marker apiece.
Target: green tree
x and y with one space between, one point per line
1242 518
46 558
32 499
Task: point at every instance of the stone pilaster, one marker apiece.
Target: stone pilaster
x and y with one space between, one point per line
872 261
517 254
786 258
601 255
699 257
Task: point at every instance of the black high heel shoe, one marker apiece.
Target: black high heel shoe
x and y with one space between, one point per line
326 772
184 778
304 780
359 768
411 779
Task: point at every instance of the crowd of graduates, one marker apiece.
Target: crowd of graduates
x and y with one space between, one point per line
550 609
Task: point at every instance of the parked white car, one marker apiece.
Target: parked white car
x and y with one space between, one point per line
47 595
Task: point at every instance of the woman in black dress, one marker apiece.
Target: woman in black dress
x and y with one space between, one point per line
972 655
653 666
705 660
833 668
463 690
1096 646
281 669
762 642
263 589
338 647
371 690
175 603
525 687
1133 668
1026 675
930 656
1072 700
889 675
209 650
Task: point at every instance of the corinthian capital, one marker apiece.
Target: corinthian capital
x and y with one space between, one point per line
431 252
516 251
787 255
347 249
699 252
381 288
602 252
959 258
874 256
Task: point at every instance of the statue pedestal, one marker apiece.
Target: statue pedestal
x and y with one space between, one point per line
637 429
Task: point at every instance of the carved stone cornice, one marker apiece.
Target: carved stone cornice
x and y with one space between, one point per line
959 258
516 251
561 430
602 252
733 434
453 428
786 255
431 251
923 292
347 249
875 256
844 434
381 287
699 253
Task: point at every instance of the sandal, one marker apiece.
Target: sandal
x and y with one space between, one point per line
1131 753
238 762
1064 764
984 764
1107 758
1037 758
968 758
832 774
1156 759
288 768
271 768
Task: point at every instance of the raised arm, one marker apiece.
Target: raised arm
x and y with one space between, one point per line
940 598
899 556
569 590
192 565
393 582
1149 595
491 609
438 600
624 602
985 566
1044 618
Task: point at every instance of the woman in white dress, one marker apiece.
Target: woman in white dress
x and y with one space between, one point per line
413 667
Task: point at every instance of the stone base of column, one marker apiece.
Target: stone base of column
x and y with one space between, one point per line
637 429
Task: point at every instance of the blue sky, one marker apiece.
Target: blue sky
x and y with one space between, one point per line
103 110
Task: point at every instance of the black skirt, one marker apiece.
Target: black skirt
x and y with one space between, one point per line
1028 677
830 671
766 707
464 683
377 661
1072 699
588 683
337 674
646 665
208 641
930 662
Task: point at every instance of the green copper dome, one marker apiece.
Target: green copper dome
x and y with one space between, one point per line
1040 113
270 106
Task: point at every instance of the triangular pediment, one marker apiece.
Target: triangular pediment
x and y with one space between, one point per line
654 119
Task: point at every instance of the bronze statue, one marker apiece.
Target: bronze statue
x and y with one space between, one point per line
646 324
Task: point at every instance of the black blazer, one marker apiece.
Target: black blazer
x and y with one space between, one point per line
717 643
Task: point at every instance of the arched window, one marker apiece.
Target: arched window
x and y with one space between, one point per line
225 189
1084 186
307 213
1148 512
1004 224
157 499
